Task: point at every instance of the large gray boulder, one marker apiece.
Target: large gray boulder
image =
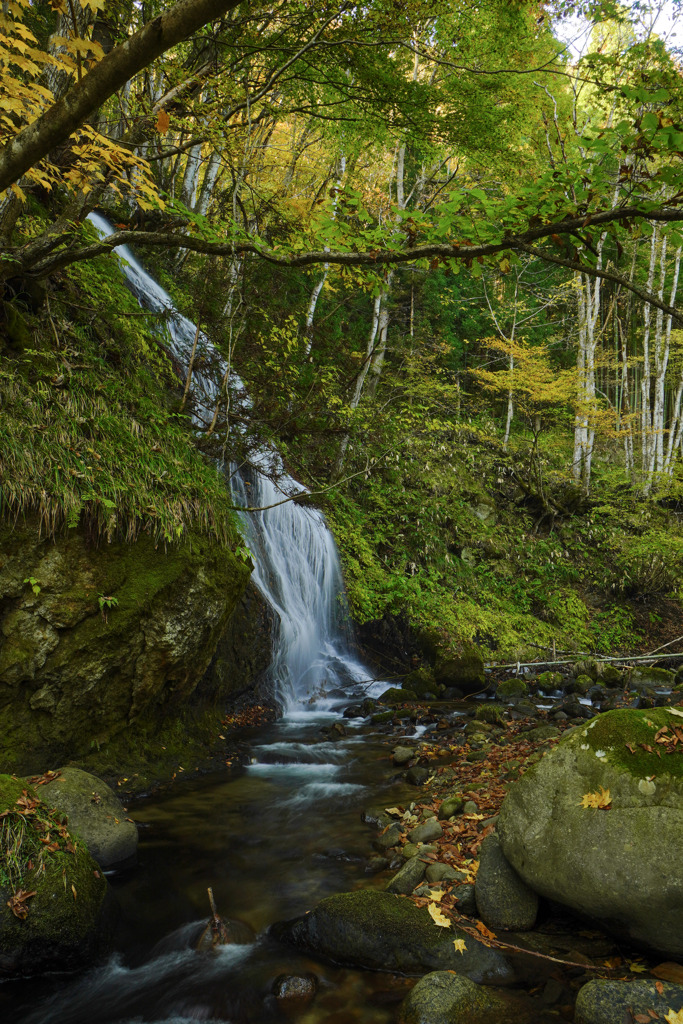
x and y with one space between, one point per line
446 998
617 863
613 1002
503 899
96 815
382 932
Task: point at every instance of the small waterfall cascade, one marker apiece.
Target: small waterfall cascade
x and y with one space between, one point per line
296 561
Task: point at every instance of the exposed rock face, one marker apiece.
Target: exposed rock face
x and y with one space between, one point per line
380 931
73 674
96 815
617 865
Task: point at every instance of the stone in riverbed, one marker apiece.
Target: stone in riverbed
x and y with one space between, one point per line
380 931
425 833
408 877
503 899
613 1002
444 873
417 776
445 998
617 868
96 815
467 903
391 837
402 755
294 992
450 806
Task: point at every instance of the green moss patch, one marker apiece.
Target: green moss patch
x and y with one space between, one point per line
627 738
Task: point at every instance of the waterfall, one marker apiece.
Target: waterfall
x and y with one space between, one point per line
296 561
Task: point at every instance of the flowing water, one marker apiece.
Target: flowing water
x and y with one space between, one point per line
271 839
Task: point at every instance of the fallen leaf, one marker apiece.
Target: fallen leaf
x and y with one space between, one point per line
459 945
638 969
436 895
438 918
73 889
486 932
601 800
669 971
393 810
674 1017
17 903
675 711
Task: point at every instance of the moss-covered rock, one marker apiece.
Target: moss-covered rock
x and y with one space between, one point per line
489 713
613 1002
550 681
96 815
580 684
67 920
383 932
616 864
446 998
511 688
645 678
421 682
395 695
464 671
105 640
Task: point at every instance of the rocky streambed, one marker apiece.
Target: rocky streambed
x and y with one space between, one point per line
517 860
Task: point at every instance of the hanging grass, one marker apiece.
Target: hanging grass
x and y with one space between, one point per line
89 434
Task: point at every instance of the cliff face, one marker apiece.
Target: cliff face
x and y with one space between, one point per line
102 640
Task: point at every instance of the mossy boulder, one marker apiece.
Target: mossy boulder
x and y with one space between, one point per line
395 695
446 998
382 932
548 682
645 679
490 714
464 670
96 815
613 1002
421 682
108 640
580 684
616 864
68 920
511 688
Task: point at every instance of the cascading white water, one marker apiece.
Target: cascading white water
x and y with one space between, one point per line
296 562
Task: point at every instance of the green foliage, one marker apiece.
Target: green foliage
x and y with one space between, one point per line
88 432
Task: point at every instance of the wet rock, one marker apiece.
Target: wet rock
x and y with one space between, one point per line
394 695
450 806
470 807
417 776
613 1002
376 817
96 815
424 833
445 998
230 933
581 684
390 837
650 678
526 707
294 992
617 867
408 878
402 755
380 931
412 850
504 901
443 873
467 902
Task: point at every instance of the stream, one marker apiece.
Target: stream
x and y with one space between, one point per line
271 840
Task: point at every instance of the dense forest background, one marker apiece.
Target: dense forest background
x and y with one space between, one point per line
441 250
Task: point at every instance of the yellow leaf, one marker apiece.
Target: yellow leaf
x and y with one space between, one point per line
637 969
674 1017
597 800
438 918
163 122
460 946
675 711
436 895
393 810
73 889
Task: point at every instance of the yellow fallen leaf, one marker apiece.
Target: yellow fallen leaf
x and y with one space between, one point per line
393 810
460 946
438 918
675 711
435 894
636 968
598 800
674 1017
